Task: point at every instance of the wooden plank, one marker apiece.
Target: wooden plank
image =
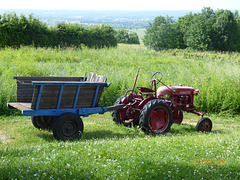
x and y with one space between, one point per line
86 96
28 105
24 99
49 97
67 82
34 97
92 77
20 106
48 78
101 79
99 95
68 97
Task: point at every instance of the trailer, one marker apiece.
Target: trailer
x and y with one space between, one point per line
58 102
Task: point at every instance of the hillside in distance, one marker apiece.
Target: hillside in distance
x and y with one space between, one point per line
126 19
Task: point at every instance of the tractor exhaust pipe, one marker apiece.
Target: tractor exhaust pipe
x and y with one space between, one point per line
135 80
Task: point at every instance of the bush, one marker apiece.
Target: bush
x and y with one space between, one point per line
124 36
15 31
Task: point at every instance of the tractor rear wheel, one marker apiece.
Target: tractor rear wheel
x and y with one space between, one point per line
156 117
68 126
177 116
204 125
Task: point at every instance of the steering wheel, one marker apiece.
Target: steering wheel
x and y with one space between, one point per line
155 77
132 92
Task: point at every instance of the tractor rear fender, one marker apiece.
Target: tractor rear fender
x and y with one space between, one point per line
145 101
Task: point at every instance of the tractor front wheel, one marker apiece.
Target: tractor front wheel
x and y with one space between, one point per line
156 117
204 125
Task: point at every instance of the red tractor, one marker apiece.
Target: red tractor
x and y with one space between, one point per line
154 110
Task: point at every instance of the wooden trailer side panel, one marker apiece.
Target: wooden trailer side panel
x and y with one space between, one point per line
48 99
25 88
68 97
50 96
86 96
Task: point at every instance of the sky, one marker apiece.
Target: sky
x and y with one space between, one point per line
121 4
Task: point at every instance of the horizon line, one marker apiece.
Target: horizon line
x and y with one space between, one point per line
119 9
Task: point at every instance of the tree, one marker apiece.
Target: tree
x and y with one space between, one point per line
210 30
161 34
124 36
198 36
182 26
238 31
225 31
133 38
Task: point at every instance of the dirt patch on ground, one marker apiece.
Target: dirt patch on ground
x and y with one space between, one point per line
191 123
4 138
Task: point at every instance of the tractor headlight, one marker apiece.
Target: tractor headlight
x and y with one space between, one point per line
196 92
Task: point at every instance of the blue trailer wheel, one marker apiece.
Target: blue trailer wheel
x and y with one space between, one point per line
68 126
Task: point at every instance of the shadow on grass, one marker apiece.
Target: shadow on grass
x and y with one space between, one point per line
108 134
91 135
46 136
185 128
182 128
126 132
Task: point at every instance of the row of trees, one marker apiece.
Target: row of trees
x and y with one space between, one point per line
127 37
208 30
16 31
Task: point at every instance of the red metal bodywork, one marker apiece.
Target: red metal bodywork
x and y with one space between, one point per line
179 98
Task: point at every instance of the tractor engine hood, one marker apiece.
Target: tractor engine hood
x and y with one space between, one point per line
176 90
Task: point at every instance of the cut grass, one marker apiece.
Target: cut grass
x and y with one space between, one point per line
110 151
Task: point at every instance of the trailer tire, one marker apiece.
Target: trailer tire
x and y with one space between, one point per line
115 113
35 122
43 122
68 126
156 117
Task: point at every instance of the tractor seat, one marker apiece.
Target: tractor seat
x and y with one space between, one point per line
145 90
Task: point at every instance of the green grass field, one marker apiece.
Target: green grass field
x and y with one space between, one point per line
109 151
215 75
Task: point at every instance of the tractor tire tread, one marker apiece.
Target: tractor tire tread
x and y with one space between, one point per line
145 113
115 113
